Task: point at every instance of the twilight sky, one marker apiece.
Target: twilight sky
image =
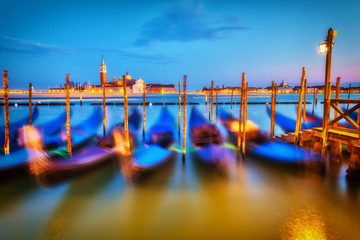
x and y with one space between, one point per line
160 41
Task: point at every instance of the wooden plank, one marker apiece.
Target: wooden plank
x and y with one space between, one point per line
344 129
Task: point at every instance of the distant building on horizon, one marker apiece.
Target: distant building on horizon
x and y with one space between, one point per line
284 87
116 86
103 76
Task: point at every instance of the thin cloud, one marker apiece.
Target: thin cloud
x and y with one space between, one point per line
28 47
185 22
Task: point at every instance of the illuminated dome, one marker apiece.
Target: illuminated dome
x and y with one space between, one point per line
127 76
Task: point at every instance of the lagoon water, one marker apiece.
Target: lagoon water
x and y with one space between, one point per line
183 200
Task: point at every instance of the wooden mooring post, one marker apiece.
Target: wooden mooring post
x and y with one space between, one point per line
184 120
298 116
6 110
104 108
313 108
30 104
68 132
206 98
232 94
179 108
327 92
217 99
316 97
337 97
273 108
212 102
126 120
240 134
326 118
245 117
80 97
305 92
144 113
347 108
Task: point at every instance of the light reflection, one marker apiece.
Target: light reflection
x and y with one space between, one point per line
37 157
304 224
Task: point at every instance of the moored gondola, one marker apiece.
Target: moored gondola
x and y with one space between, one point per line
54 170
288 124
154 153
207 140
272 152
16 161
14 127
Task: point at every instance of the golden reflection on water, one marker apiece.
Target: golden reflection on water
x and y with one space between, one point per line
304 224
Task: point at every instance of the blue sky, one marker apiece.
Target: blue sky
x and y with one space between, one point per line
160 41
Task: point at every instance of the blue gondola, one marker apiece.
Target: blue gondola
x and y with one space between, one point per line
84 160
281 153
207 140
289 124
14 127
155 152
82 134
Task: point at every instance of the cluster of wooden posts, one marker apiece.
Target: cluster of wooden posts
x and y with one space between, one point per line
301 112
242 111
331 135
68 129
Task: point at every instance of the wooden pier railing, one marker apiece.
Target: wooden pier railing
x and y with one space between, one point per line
332 126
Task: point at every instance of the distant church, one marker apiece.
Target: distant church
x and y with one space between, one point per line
132 85
284 87
103 78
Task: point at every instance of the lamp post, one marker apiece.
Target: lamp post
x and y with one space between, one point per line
326 48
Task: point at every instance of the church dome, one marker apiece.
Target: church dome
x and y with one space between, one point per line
127 76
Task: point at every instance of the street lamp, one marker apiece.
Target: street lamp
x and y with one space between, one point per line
323 49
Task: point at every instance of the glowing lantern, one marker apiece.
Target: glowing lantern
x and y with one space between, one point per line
322 48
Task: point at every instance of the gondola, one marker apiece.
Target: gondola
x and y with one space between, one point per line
154 153
263 149
288 124
82 134
50 171
207 140
14 127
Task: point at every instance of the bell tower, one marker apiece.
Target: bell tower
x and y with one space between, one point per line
103 72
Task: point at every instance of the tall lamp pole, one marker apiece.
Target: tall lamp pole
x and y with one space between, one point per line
326 48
